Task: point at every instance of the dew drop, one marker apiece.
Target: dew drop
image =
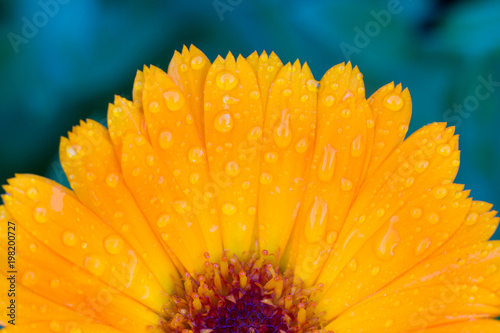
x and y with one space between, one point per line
69 238
252 210
29 278
226 80
196 155
181 206
331 237
375 271
113 244
312 85
471 218
416 213
444 150
154 107
197 62
282 132
346 113
439 192
229 209
32 193
165 139
112 179
433 218
245 185
356 147
329 100
95 265
315 227
271 157
287 92
345 184
423 246
40 214
223 122
327 166
393 102
353 265
194 177
265 178
232 168
254 134
150 160
173 99
389 241
162 221
301 145
421 166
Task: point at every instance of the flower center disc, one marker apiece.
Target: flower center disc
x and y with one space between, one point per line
242 296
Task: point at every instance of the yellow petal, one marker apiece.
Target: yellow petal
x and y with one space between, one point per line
52 277
405 239
233 132
54 216
392 112
96 178
340 155
164 205
288 145
413 169
177 142
266 68
188 71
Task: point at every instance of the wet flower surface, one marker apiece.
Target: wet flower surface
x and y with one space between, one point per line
245 196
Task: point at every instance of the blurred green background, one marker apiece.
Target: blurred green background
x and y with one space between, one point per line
63 60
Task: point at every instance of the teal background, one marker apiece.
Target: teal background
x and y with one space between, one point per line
87 51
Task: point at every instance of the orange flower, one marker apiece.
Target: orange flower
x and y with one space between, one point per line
244 196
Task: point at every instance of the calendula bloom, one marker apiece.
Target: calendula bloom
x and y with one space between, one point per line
245 196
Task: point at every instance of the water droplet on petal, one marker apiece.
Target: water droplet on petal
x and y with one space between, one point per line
95 265
327 166
356 147
353 265
113 244
271 157
112 179
375 271
226 80
154 107
433 218
232 168
345 184
416 213
301 146
69 238
29 278
312 85
165 139
181 206
194 178
40 214
197 62
393 102
245 185
423 246
229 209
282 132
173 99
389 241
265 178
254 134
163 220
346 113
444 150
471 218
252 210
223 122
315 227
32 193
329 100
421 166
196 155
439 192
